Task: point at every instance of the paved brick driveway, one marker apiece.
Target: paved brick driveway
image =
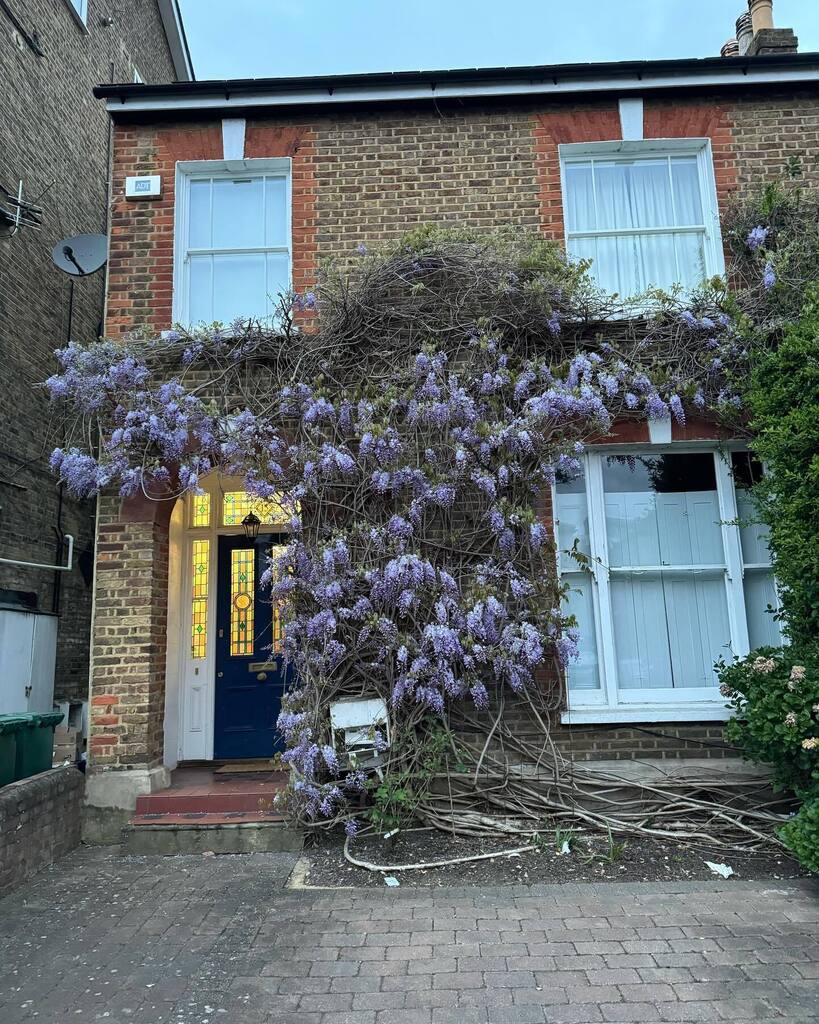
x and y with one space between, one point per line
220 941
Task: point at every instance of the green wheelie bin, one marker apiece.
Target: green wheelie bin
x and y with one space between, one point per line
10 726
35 743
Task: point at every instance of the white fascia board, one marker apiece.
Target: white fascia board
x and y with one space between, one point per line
329 97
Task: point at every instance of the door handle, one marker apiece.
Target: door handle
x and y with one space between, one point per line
219 675
261 676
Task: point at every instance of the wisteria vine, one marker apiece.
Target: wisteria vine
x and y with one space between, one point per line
412 432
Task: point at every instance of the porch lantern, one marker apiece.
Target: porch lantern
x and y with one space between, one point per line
251 524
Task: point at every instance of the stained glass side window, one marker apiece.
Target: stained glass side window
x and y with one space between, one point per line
237 504
278 635
199 598
242 589
200 515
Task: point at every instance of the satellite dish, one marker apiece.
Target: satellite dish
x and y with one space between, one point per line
81 255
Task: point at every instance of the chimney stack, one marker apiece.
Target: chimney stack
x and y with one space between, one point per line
745 32
761 14
756 35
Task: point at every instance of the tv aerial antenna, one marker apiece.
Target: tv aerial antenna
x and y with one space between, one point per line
17 212
79 256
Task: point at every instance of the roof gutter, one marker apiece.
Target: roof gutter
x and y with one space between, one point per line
564 80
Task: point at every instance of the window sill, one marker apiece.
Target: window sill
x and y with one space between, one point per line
649 713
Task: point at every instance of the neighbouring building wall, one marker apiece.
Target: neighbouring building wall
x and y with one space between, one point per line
54 137
369 178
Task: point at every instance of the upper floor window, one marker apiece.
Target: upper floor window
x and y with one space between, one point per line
81 7
232 240
645 213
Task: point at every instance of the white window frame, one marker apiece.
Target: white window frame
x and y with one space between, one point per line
610 702
193 170
629 150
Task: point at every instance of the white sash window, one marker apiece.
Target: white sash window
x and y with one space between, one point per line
679 576
233 247
645 213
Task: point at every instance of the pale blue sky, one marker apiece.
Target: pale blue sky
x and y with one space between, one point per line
268 38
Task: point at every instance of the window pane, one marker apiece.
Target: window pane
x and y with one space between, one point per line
761 601
579 197
669 629
747 471
613 195
199 235
584 673
650 191
242 594
275 211
657 258
690 259
573 526
200 511
687 197
669 626
239 287
662 510
200 299
275 553
572 518
237 213
199 598
237 504
278 277
616 265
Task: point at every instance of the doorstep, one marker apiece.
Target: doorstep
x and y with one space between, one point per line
205 812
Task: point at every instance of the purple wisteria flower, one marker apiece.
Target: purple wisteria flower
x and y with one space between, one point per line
757 237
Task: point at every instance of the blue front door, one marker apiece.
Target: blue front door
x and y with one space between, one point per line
249 673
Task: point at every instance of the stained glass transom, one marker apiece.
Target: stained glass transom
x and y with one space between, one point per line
242 591
199 598
237 504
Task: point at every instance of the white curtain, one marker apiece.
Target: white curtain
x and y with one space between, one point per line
633 194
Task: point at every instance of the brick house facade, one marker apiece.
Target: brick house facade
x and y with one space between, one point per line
368 158
55 139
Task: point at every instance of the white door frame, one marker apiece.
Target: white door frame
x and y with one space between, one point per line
191 683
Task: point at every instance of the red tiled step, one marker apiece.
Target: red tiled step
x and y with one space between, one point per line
207 818
213 797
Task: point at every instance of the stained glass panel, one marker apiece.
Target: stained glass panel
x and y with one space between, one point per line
200 515
199 595
237 504
278 636
242 591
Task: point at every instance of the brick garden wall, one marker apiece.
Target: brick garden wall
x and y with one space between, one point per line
368 178
40 820
54 136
